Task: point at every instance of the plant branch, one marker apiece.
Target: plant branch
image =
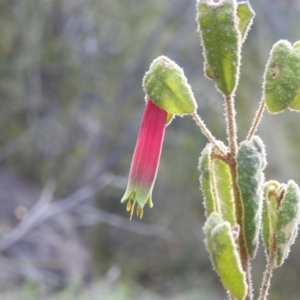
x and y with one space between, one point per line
46 208
256 120
241 240
32 218
207 133
231 125
233 146
268 272
226 159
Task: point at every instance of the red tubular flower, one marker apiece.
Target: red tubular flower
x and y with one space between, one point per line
168 94
145 160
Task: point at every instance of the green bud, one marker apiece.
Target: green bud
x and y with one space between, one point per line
221 40
224 255
280 218
282 77
272 192
251 161
216 184
288 220
245 14
166 85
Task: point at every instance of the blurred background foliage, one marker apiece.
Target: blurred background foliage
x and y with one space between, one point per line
70 106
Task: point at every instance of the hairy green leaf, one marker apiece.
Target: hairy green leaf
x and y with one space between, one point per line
245 14
272 191
223 190
251 160
216 185
282 77
221 40
288 220
206 182
225 258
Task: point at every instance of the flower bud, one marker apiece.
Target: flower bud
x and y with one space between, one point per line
272 195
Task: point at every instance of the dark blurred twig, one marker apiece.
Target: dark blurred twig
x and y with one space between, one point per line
45 209
32 218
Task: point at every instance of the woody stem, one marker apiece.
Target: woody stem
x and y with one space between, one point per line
206 132
256 119
233 146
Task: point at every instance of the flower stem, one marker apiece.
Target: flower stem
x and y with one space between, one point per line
207 133
268 272
231 125
233 146
241 240
256 119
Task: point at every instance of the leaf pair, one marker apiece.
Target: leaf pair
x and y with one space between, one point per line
217 186
281 215
223 27
222 248
215 180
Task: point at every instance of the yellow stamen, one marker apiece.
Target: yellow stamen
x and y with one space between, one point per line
128 206
132 210
141 212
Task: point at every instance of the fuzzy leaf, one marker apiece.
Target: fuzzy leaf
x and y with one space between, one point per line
251 160
269 218
245 14
166 85
221 40
223 183
225 258
295 105
282 77
216 185
206 180
288 219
